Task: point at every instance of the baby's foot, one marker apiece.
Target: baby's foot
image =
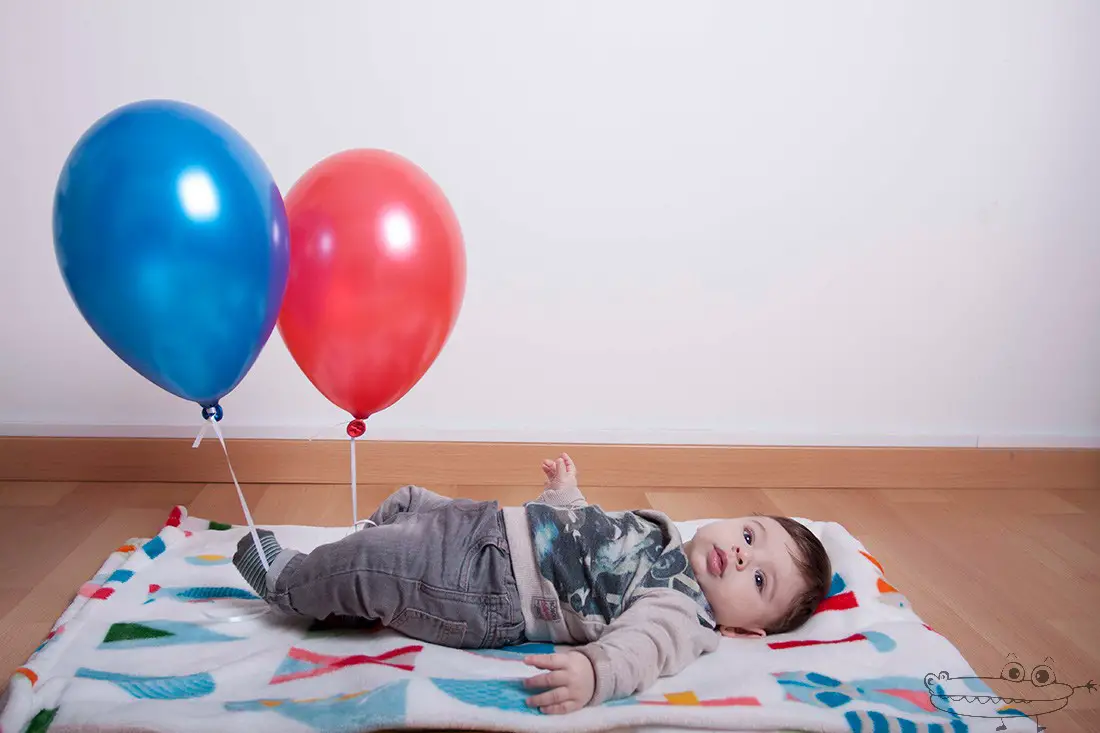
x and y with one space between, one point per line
247 559
560 473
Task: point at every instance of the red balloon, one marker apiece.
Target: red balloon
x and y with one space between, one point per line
377 276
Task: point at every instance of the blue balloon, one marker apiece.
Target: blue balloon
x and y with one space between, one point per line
172 238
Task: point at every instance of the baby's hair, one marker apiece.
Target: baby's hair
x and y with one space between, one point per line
816 570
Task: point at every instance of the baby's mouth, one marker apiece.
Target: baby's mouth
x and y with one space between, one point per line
716 562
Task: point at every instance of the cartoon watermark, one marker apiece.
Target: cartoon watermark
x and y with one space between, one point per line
1027 695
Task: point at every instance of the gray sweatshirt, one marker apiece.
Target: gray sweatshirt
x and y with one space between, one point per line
618 584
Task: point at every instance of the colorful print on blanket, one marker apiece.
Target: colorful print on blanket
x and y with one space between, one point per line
147 645
208 560
174 687
302 663
198 594
907 694
131 635
383 707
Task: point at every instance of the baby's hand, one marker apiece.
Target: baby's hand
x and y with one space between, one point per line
561 473
570 678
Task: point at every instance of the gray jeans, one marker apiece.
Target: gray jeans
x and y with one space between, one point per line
435 569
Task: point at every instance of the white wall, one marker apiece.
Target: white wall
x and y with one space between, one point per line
843 222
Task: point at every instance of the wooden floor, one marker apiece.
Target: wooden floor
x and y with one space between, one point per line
997 572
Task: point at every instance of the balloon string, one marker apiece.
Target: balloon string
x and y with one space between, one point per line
213 423
354 491
356 429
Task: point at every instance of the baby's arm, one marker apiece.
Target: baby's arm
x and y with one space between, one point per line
658 636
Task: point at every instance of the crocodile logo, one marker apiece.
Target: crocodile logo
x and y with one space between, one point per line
1027 695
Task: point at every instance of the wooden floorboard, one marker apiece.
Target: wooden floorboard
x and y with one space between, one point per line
995 571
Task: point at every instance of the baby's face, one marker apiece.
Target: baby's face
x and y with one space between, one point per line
746 570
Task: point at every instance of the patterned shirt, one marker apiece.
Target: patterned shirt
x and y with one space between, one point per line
600 561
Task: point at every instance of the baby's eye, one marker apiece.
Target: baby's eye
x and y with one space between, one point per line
759 580
747 534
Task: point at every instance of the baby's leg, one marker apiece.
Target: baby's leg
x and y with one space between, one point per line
408 500
441 575
404 501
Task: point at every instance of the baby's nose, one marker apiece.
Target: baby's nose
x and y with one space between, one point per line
739 557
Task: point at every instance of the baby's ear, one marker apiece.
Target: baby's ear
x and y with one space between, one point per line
736 632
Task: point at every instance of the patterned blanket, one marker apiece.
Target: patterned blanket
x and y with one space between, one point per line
167 637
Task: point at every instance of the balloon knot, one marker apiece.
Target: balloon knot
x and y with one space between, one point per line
356 428
212 411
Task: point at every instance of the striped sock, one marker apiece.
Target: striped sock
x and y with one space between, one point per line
247 559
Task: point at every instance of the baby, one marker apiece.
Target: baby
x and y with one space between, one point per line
634 600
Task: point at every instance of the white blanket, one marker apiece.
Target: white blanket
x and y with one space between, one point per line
168 638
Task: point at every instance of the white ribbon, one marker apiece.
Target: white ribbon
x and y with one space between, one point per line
213 423
201 435
355 520
354 490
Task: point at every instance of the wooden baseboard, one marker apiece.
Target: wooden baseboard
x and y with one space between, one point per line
517 464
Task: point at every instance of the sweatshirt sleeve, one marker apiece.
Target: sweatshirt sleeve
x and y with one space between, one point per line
658 636
565 498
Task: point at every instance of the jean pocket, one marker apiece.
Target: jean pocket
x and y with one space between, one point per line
508 634
423 626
